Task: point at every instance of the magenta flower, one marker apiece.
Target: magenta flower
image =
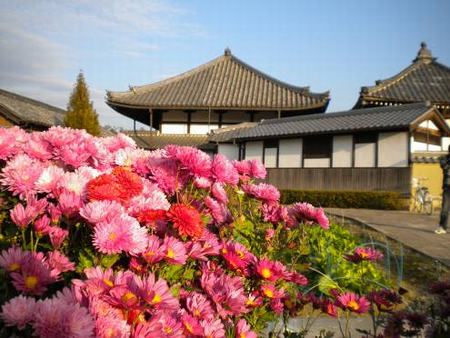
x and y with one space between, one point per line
213 328
271 271
199 306
219 193
123 233
207 245
154 252
352 302
42 226
55 318
191 325
59 263
226 292
274 213
308 214
34 275
243 330
174 250
262 191
57 236
194 161
156 293
12 259
271 292
218 211
223 170
364 254
238 257
18 311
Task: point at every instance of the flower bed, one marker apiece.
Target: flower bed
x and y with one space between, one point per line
103 239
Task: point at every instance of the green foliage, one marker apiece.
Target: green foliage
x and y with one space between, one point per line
385 200
80 111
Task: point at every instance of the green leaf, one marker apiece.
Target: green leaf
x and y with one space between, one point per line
109 260
326 284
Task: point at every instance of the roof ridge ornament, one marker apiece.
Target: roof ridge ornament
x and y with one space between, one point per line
424 54
227 51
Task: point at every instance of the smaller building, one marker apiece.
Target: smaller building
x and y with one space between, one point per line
18 110
360 149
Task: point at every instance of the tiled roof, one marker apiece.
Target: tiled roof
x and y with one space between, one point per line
232 132
23 110
424 80
155 140
379 118
223 83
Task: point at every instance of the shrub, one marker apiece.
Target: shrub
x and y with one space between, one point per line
103 239
386 200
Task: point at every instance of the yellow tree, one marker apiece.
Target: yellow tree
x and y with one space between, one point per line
80 111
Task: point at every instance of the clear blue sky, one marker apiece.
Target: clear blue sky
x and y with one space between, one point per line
325 44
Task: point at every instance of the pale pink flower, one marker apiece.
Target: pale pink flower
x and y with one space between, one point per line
110 326
119 141
20 216
37 147
59 263
202 182
223 170
57 236
123 233
101 211
219 193
243 330
218 211
20 175
73 182
69 203
18 311
49 179
154 252
258 170
213 328
10 141
151 198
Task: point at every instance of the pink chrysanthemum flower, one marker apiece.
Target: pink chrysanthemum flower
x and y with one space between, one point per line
296 278
243 330
123 297
194 161
352 302
226 292
156 293
57 236
268 270
111 327
270 291
308 214
154 252
174 250
364 254
199 306
10 140
101 211
12 259
258 170
164 172
20 175
59 263
202 182
37 147
123 233
254 300
207 245
34 275
42 226
219 193
213 328
22 216
237 257
191 325
69 203
263 191
49 179
218 211
55 318
18 311
223 170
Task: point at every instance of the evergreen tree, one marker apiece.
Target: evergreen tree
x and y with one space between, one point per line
80 111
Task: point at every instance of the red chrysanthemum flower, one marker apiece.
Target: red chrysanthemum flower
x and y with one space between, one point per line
120 186
186 219
150 217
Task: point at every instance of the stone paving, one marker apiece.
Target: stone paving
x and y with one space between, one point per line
413 230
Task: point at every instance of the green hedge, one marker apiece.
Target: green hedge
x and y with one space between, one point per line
346 199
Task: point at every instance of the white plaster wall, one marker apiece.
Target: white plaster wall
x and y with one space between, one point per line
229 150
270 157
316 162
393 149
254 150
428 124
290 155
342 151
365 155
445 143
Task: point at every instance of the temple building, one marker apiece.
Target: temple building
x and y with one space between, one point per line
223 92
425 80
27 113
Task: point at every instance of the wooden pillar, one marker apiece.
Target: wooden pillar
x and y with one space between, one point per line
189 121
279 113
220 119
151 118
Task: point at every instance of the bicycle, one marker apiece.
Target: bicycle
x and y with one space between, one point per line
423 201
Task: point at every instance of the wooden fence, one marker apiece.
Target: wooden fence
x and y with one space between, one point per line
362 179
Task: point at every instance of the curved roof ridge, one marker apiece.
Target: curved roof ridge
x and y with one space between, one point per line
227 56
382 84
359 111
